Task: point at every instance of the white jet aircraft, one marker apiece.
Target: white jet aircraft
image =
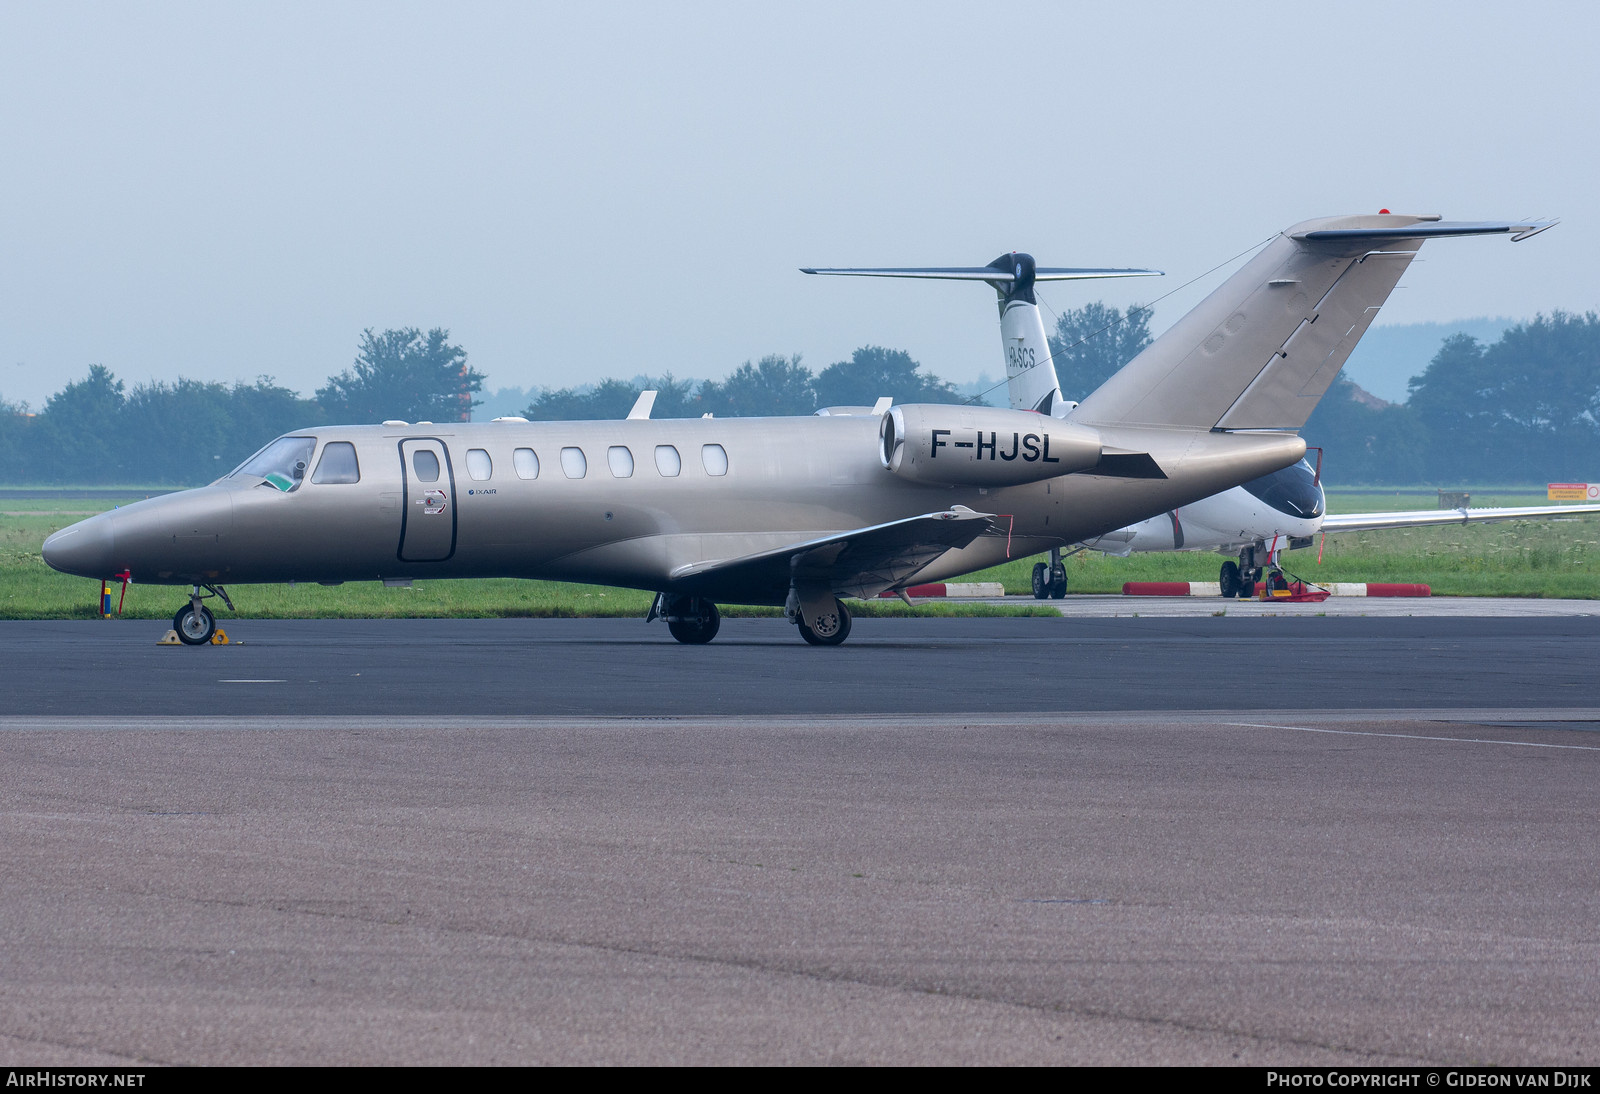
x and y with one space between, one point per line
1259 520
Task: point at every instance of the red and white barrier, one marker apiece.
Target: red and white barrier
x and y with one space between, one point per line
1212 588
953 589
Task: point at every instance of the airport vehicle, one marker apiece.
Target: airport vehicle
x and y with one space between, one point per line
798 512
1259 520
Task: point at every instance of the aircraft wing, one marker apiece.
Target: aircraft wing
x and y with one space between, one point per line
863 562
1417 518
980 273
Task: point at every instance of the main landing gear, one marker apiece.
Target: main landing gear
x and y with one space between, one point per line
821 617
828 627
693 620
194 622
1050 579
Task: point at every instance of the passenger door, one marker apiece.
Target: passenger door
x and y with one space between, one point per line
428 510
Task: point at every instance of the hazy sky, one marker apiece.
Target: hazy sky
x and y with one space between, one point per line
226 191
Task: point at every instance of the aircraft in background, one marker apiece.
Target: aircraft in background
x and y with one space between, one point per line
1283 511
1260 519
797 512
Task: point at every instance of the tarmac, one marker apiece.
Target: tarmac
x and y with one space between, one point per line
1098 840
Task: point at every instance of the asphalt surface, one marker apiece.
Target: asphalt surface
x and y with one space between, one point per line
1211 840
760 666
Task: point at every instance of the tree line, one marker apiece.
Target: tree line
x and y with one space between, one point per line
1525 408
1522 409
98 431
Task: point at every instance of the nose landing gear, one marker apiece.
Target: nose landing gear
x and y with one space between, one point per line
1242 578
1239 579
194 622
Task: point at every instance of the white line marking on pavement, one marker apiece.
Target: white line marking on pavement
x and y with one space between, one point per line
1415 736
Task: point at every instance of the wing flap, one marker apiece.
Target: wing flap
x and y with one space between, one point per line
862 562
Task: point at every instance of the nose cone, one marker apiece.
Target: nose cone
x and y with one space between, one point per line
85 549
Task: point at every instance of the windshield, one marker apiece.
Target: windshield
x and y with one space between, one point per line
282 463
1294 491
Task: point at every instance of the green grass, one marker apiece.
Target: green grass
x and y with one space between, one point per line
1547 558
1521 558
31 590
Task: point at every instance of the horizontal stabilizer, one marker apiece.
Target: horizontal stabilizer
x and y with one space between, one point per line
1443 228
981 273
1263 348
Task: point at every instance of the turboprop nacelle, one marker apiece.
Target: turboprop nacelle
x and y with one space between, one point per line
982 446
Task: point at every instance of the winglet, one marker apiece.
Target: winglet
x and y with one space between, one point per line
641 409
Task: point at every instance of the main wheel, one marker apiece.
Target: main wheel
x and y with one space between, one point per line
1041 581
1058 582
194 628
1229 579
831 628
692 620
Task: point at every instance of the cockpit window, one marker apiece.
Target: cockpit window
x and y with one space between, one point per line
1294 491
426 465
282 463
338 464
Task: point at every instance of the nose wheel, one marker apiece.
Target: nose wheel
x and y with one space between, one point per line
195 626
194 623
1254 566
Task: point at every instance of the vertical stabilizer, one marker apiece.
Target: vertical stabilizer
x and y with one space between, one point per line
1261 350
1031 379
1030 373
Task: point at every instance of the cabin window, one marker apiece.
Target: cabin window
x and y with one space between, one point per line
621 461
668 462
426 465
282 463
715 458
574 463
338 464
479 466
526 461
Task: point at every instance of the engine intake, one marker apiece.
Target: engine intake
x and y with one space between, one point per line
982 446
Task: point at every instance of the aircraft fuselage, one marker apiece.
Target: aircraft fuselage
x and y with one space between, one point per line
624 503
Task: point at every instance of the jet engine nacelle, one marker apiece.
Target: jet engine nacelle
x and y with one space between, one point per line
982 446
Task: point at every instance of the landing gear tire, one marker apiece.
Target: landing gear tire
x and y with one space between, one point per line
693 620
823 637
1232 584
194 626
1058 582
1041 581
